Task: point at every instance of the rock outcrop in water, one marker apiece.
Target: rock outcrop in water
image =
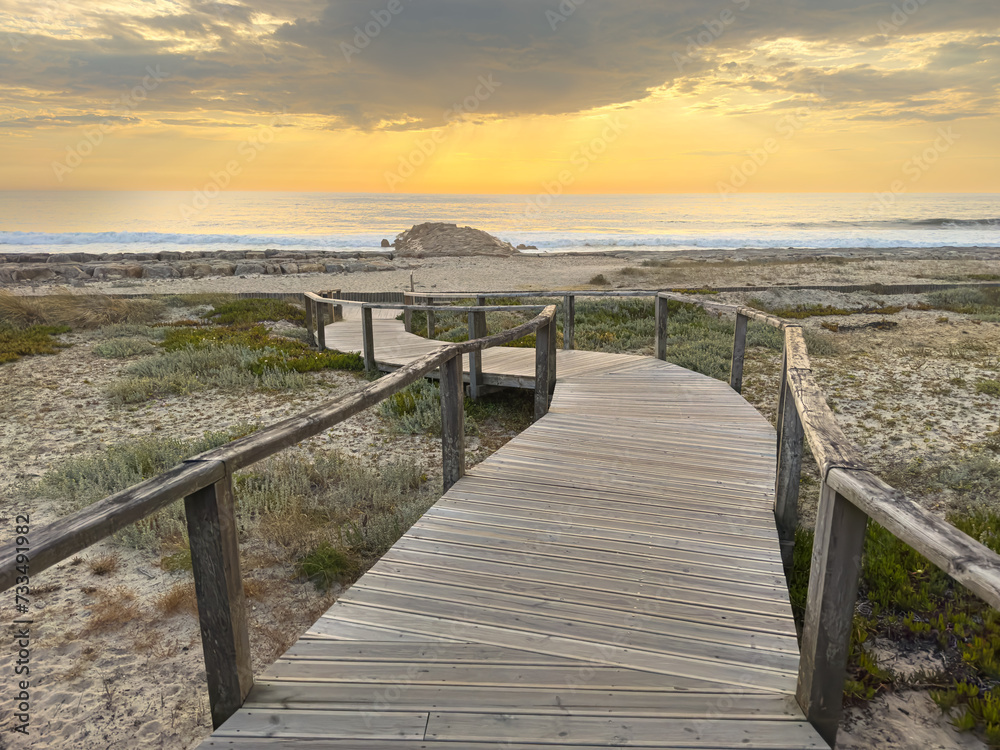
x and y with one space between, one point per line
435 240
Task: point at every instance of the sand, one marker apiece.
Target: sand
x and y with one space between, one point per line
141 684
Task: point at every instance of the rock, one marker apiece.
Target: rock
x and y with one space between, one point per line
198 270
34 273
71 272
244 269
386 243
255 254
223 269
435 239
272 269
312 268
334 268
289 267
160 271
522 246
271 252
7 275
169 255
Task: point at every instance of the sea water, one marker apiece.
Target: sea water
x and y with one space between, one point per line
156 221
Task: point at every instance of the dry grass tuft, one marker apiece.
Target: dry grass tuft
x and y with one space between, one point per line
104 565
76 310
181 598
114 608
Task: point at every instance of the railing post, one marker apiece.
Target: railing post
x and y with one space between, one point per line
553 359
739 352
477 329
569 320
222 614
309 320
789 471
408 314
833 592
321 325
368 339
661 328
543 362
782 392
431 322
452 422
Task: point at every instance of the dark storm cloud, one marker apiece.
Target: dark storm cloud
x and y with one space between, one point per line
405 63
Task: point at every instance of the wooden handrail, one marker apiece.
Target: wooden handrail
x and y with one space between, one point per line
205 483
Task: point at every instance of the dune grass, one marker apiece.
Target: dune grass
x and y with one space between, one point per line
78 311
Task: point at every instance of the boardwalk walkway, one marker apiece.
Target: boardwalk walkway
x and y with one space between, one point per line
610 577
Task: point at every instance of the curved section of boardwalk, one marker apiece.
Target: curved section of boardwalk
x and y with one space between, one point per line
610 577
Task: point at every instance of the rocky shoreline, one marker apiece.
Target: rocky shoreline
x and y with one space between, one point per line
79 268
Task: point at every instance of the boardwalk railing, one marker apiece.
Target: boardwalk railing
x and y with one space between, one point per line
205 482
850 494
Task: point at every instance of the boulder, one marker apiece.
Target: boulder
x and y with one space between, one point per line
435 239
223 269
160 271
312 268
245 269
386 243
334 268
289 267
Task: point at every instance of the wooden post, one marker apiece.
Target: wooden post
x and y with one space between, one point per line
408 314
452 422
789 471
431 322
222 614
309 320
368 339
782 393
739 352
833 592
569 320
321 325
661 328
543 362
477 329
553 359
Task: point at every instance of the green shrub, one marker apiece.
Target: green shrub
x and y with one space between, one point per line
75 310
326 565
25 342
983 301
122 348
245 312
989 387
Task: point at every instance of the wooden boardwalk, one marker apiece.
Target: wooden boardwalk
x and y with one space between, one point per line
610 577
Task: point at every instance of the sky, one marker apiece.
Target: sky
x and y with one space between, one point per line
501 96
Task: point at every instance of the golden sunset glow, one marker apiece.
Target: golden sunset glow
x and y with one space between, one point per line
595 97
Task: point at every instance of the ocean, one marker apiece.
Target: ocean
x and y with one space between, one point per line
156 221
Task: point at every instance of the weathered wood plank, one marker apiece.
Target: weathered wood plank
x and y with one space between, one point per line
660 337
222 615
739 352
833 592
452 422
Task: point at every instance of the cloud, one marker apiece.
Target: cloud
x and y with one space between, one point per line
358 64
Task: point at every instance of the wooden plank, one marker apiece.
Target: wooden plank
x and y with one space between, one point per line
477 330
569 321
452 422
350 724
739 352
575 698
633 732
660 336
222 614
542 365
833 591
786 488
368 339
